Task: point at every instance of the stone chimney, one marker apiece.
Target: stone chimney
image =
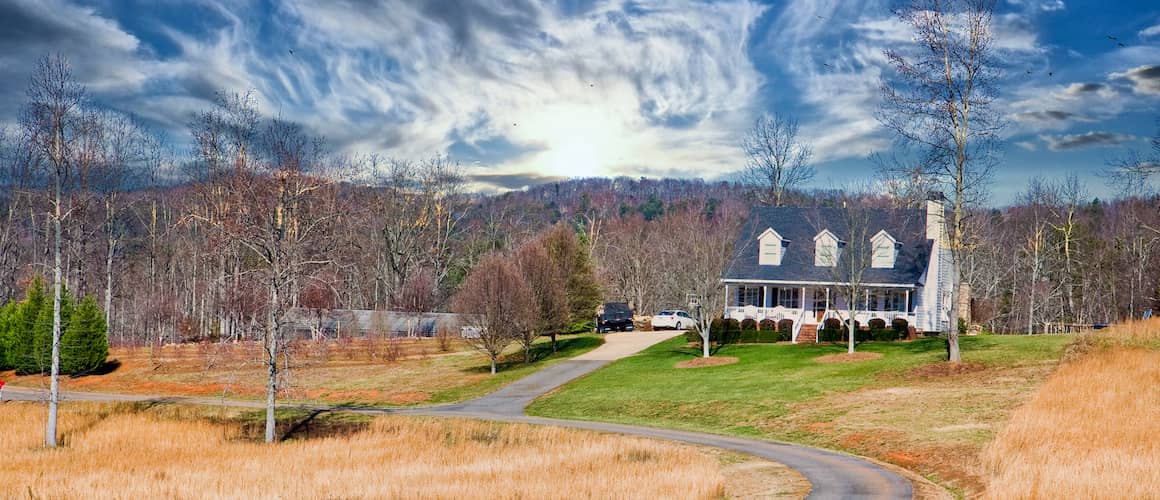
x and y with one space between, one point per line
936 226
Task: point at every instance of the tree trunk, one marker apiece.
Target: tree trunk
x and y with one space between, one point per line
493 365
271 359
705 342
54 388
953 354
109 282
853 332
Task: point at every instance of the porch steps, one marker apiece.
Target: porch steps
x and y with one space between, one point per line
808 334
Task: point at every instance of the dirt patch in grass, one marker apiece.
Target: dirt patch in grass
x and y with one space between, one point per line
703 362
848 357
944 369
922 424
749 477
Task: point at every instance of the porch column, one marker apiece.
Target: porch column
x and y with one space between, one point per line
765 300
906 305
802 299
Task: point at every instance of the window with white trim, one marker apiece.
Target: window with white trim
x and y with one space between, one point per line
789 297
770 247
826 249
885 250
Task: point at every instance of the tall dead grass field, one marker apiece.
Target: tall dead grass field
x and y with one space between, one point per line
118 451
1093 429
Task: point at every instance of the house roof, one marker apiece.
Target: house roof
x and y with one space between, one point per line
800 225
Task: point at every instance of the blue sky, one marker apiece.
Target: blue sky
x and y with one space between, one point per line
524 91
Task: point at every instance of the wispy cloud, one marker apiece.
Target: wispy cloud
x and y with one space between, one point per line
1145 79
1093 139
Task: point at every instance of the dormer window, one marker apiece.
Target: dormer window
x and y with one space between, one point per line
827 249
885 249
770 247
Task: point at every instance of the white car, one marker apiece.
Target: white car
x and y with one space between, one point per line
674 318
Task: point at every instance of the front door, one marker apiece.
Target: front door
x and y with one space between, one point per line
821 303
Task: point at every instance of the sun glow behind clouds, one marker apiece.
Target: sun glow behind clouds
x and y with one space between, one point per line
579 140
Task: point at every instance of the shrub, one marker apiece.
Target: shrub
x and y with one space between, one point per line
830 335
84 344
785 325
901 326
759 337
832 324
884 334
784 335
767 325
876 324
862 335
749 324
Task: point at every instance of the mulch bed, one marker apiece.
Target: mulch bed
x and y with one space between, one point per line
710 361
848 358
944 369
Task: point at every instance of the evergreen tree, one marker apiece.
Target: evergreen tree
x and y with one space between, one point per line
22 328
583 291
84 344
7 314
41 358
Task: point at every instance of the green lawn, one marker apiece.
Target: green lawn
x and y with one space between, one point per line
647 389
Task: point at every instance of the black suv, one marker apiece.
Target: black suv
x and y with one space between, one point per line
614 316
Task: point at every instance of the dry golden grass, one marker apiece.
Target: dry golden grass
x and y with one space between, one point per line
1093 429
110 452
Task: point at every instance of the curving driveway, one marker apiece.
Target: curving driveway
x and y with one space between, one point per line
832 474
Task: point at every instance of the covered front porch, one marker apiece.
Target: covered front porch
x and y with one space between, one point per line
812 304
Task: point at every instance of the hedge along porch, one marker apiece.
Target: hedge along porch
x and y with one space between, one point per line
809 307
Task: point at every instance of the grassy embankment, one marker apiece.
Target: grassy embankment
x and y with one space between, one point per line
1093 429
354 371
143 451
906 407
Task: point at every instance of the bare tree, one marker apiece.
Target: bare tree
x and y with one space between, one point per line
52 129
275 202
548 287
495 304
776 160
939 102
417 297
849 256
421 206
1132 173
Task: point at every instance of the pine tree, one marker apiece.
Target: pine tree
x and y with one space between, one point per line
84 344
7 315
41 359
22 328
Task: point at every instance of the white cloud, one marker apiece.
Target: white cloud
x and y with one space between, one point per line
1145 79
1150 31
607 91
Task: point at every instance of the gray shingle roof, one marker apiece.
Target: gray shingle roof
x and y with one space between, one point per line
800 225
